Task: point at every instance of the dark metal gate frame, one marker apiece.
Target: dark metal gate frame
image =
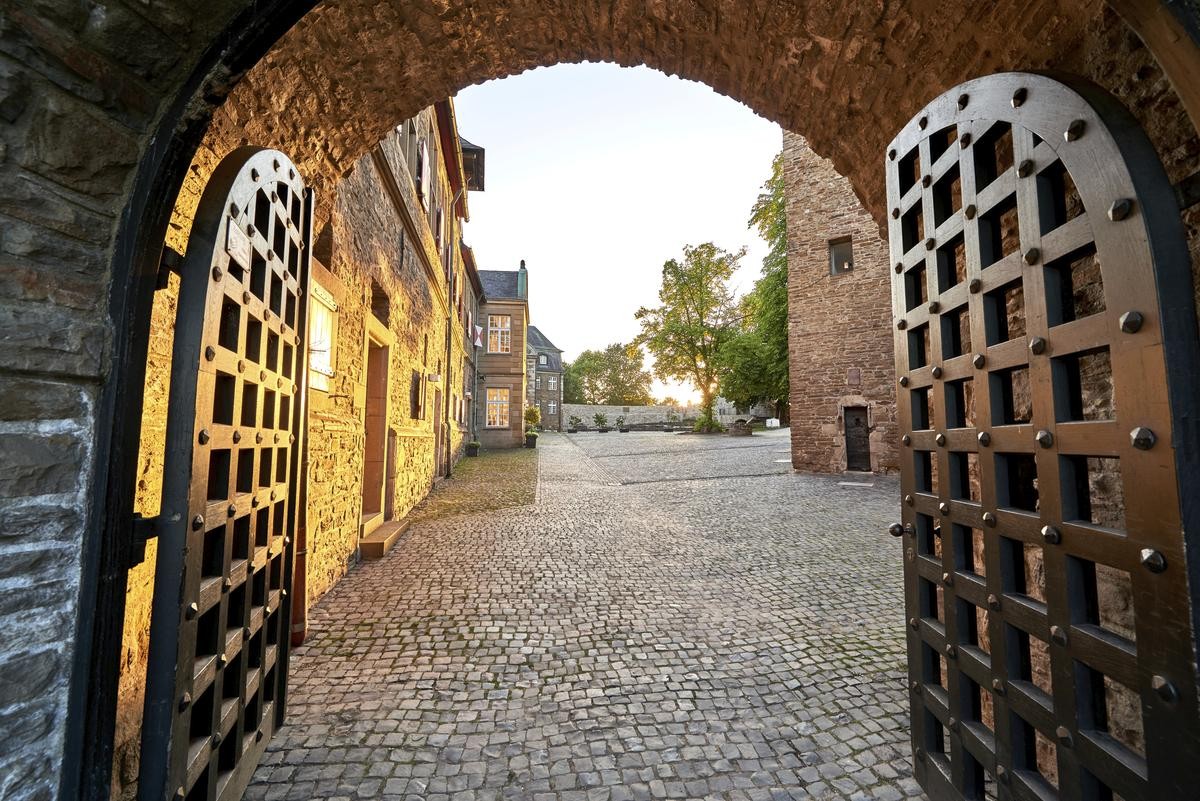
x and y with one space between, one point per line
219 636
1149 329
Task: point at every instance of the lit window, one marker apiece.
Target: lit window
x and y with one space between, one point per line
497 408
541 358
841 255
322 330
499 333
537 382
553 407
552 381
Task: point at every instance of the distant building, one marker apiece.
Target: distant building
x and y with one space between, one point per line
547 391
503 382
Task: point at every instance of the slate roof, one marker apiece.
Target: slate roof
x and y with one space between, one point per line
499 284
539 341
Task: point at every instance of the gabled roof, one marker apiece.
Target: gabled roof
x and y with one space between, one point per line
539 340
499 284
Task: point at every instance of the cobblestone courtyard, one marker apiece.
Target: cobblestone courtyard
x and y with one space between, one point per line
674 617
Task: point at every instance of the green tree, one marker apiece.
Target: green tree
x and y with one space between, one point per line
614 376
685 334
754 362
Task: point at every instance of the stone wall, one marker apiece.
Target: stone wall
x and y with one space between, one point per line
839 326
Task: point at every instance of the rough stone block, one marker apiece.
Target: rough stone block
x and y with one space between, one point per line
24 399
40 464
30 675
43 337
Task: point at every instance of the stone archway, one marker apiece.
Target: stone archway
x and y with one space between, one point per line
116 114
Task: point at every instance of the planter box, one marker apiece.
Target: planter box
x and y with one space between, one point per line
623 430
531 442
472 450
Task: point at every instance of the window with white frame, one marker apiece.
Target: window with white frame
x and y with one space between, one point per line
322 333
497 407
537 382
499 333
541 358
552 382
553 407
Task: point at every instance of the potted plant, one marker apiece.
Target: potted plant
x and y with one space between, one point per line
672 419
530 438
601 421
473 448
624 429
533 416
573 424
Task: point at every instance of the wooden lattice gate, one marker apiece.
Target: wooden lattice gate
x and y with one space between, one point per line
1046 356
219 628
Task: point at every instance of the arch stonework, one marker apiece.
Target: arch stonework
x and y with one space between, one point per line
103 108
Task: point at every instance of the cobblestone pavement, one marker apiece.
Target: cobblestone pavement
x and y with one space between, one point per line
644 630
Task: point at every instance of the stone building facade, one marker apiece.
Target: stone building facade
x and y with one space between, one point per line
842 397
504 365
547 392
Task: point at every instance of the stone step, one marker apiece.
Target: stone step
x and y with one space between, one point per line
381 540
369 523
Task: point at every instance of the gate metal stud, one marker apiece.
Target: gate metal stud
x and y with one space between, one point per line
1051 535
923 122
217 273
944 508
197 522
984 438
275 164
277 437
241 366
896 529
254 175
250 229
906 439
975 286
216 739
232 510
210 353
258 438
979 361
1025 168
233 210
970 211
912 623
940 439
283 593
1154 561
191 611
185 701
948 579
254 501
1037 346
246 633
952 725
904 381
1142 438
204 436
901 324
271 255
1002 774
899 268
993 602
262 375
963 99
291 438
180 794
895 214
1019 97
998 686
914 685
1044 438
1058 635
1131 322
892 154
951 651
930 243
989 519
258 736
237 436
1032 255
1074 130
926 180
227 584
965 141
1064 736
1120 209
1164 689
936 372
222 660
908 500
934 306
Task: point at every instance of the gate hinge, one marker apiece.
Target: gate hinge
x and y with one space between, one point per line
144 530
171 261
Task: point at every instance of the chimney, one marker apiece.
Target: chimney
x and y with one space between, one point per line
522 282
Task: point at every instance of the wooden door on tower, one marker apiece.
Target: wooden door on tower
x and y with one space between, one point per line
219 631
1046 355
858 439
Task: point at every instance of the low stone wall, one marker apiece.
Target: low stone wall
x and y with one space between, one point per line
634 415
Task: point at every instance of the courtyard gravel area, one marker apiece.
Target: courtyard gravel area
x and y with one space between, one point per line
673 617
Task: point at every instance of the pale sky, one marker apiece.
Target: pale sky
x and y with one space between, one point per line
596 175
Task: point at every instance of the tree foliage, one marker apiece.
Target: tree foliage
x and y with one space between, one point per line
696 317
614 376
754 360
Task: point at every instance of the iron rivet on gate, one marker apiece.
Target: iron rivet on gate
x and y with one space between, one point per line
204 436
904 381
980 360
272 494
249 229
227 584
934 306
1002 774
291 438
269 609
944 508
271 255
1131 322
278 383
231 510
1051 535
963 99
241 365
1032 255
948 579
912 623
180 794
1120 209
998 686
277 437
1074 130
1154 561
895 214
940 439
1037 346
906 439
930 243
965 140
233 210
291 173
923 123
246 297
899 268
901 324
254 175
993 602
892 154
237 436
1019 97
216 739
908 500
1058 635
254 501
984 438
284 593
926 180
287 540
1142 438
198 522
975 286
896 529
258 438
951 651
1025 168
1044 438
210 353
258 736
1164 689
246 633
936 372
217 273
952 725
1064 736
222 660
185 701
970 211
914 685
192 611
989 519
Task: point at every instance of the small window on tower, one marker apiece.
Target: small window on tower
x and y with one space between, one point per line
841 255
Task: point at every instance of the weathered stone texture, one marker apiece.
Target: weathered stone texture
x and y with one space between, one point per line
839 337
